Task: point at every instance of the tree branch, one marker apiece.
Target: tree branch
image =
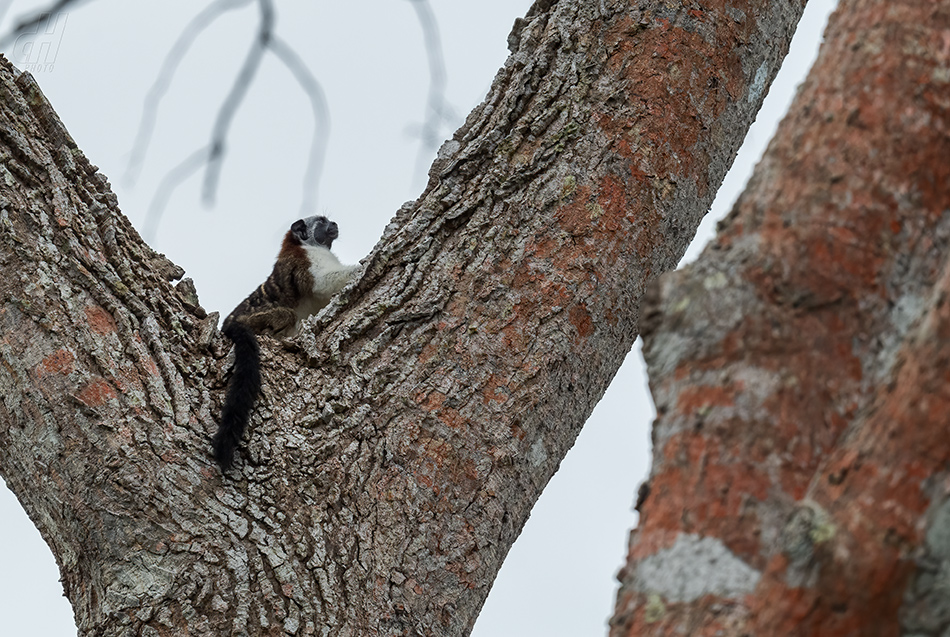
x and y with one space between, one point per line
159 87
402 439
321 121
26 25
799 367
213 153
167 187
437 110
219 132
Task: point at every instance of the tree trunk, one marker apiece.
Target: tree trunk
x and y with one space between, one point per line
800 478
403 437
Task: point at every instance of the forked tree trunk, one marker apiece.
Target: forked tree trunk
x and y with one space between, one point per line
403 438
801 367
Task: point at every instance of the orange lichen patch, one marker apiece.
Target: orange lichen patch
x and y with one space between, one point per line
428 352
547 295
431 401
513 335
581 320
694 399
59 362
100 321
612 200
495 390
648 540
444 470
573 217
523 274
702 487
96 393
560 264
602 209
844 215
150 366
517 432
653 615
711 67
898 504
429 468
840 251
434 404
869 606
452 417
127 379
426 480
873 490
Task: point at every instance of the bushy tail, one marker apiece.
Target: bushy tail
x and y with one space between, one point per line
242 392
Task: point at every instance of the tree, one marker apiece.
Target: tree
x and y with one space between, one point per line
401 439
800 366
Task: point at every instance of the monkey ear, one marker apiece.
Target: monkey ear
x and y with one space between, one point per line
299 230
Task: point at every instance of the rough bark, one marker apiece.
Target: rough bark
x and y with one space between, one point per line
800 483
402 439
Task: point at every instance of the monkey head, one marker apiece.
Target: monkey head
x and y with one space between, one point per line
315 231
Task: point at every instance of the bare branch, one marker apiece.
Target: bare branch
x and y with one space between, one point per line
321 124
165 75
437 111
27 25
213 153
231 103
172 180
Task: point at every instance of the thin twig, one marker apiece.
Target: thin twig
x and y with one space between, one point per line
231 103
437 110
170 182
159 87
26 25
321 122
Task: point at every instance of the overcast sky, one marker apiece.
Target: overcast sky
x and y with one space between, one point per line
559 579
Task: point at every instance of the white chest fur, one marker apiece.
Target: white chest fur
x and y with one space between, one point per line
329 277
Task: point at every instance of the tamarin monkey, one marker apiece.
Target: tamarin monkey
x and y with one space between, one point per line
304 278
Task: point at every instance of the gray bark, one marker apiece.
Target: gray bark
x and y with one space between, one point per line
403 437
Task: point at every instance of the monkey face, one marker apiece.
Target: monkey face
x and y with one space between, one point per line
315 231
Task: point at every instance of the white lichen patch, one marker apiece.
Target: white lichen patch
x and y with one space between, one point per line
716 281
758 83
695 566
144 576
538 455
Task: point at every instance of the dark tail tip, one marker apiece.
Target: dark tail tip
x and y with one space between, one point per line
243 388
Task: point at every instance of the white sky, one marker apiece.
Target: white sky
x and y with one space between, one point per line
559 578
